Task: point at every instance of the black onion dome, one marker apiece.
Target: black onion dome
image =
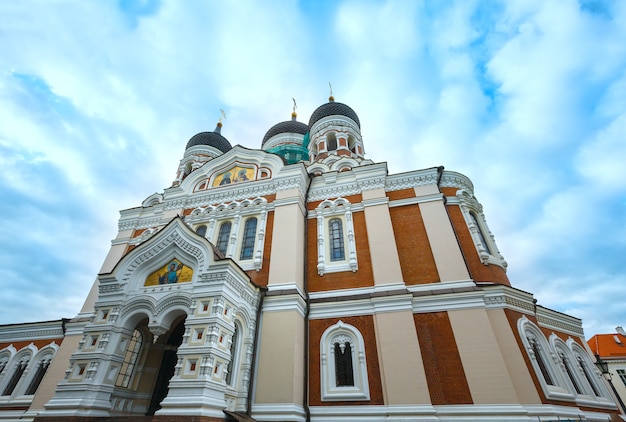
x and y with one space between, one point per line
333 109
213 139
289 126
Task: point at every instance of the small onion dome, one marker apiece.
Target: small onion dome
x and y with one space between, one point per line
332 108
290 126
213 139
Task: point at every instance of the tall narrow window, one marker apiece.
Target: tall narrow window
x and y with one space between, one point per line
622 376
201 230
542 364
249 233
41 371
233 356
130 360
343 365
222 237
337 252
19 371
481 235
332 143
570 374
3 364
587 374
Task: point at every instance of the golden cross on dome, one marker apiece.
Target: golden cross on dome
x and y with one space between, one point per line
294 104
223 115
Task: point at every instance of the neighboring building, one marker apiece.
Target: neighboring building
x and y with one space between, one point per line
611 348
302 281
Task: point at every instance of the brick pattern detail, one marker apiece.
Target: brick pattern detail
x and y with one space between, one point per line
365 324
401 194
39 344
442 362
353 199
416 257
363 277
261 277
449 191
478 271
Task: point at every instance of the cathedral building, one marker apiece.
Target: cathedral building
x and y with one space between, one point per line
302 282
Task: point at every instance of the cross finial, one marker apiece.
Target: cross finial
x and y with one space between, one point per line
331 98
223 115
294 104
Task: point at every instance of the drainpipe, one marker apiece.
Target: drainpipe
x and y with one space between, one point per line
439 176
305 399
257 325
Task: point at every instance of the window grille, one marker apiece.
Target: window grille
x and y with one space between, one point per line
249 233
222 237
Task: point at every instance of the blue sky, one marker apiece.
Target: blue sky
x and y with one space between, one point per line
527 98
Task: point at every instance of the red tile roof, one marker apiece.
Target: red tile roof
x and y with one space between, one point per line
607 346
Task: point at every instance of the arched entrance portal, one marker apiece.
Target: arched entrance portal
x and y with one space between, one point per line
169 347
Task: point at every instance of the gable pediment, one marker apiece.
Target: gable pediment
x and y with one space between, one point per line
174 255
237 166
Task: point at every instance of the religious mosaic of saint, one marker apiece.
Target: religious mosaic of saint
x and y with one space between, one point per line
235 175
171 273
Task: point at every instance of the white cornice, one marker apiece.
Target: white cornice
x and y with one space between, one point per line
31 331
285 302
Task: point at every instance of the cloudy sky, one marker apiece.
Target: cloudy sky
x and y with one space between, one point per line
527 98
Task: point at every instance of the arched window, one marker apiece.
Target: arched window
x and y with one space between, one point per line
567 365
539 358
331 143
222 237
544 361
249 233
130 359
479 232
201 230
42 368
17 375
336 246
343 364
586 372
337 251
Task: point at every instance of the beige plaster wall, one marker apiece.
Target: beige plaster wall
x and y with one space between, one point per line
513 358
56 372
443 242
382 243
400 359
484 365
287 259
426 190
281 359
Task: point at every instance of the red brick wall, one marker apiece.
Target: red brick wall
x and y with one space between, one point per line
40 344
260 277
416 258
478 271
365 324
401 194
353 199
442 362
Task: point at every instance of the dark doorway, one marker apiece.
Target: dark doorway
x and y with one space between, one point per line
168 364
